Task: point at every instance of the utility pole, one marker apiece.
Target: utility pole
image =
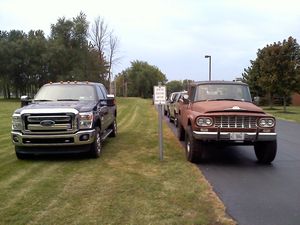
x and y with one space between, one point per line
209 72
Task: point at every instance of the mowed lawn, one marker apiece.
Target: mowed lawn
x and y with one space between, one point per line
292 113
128 184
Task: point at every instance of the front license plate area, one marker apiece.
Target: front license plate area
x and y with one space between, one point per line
237 136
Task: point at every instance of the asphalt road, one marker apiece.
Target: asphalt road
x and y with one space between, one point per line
255 194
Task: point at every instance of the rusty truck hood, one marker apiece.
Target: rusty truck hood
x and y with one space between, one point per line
226 106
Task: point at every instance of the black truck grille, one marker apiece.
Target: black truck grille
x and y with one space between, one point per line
50 123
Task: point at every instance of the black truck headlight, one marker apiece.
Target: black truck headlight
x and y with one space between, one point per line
86 120
16 122
204 121
266 122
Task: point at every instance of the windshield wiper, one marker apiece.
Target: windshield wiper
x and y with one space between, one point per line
42 100
227 99
67 99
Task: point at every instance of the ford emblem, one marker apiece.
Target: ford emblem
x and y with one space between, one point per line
47 123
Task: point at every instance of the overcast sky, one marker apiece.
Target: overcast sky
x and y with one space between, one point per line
173 35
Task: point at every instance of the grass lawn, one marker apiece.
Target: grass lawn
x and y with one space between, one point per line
292 114
126 185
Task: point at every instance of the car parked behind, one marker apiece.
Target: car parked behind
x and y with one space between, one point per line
174 107
170 99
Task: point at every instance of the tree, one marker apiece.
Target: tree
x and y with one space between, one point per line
275 70
121 81
138 80
4 62
106 44
174 86
19 60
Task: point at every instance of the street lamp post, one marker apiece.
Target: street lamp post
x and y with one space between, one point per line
209 72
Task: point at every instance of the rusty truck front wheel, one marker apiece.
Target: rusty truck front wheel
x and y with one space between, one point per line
194 149
265 151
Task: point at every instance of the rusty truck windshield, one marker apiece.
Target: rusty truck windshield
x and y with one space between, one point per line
219 92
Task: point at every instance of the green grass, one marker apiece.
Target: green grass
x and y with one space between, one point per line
292 114
128 184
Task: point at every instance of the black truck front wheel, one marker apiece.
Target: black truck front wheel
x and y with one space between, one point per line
265 151
96 146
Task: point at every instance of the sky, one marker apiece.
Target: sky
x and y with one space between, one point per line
173 35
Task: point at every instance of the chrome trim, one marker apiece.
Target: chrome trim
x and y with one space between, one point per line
49 110
225 136
65 121
235 121
55 127
75 136
33 118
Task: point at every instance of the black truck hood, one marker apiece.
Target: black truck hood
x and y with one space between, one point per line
80 106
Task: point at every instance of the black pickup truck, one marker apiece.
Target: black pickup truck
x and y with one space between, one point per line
64 117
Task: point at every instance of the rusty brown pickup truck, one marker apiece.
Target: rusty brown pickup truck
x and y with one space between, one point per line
222 112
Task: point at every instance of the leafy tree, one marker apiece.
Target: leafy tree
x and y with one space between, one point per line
4 63
138 80
174 85
275 70
251 76
18 49
186 84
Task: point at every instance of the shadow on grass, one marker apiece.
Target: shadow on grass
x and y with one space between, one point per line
57 157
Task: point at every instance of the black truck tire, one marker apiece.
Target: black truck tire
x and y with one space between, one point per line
96 146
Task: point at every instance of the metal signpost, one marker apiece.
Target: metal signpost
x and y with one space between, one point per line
160 100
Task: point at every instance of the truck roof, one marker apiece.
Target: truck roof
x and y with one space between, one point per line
74 83
217 82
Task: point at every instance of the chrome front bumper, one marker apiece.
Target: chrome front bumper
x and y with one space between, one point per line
234 136
79 138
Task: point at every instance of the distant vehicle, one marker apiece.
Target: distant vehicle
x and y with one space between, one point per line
168 102
174 107
65 117
222 112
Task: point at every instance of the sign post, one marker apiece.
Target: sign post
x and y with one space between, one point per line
160 100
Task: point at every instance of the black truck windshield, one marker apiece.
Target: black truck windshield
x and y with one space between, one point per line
218 92
64 92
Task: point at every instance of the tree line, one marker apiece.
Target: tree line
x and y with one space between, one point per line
73 51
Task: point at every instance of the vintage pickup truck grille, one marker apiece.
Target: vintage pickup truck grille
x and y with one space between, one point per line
235 121
50 123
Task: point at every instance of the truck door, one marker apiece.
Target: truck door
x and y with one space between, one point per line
102 108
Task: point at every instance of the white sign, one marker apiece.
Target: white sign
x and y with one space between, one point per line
160 95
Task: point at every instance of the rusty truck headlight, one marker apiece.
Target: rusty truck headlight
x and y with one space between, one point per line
204 121
266 122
